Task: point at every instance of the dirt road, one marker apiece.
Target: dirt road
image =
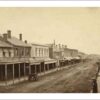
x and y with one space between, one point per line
73 79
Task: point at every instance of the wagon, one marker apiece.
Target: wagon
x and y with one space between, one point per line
33 77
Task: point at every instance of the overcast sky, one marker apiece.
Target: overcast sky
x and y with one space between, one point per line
78 28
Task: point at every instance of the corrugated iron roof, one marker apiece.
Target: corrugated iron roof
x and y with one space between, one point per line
17 42
4 44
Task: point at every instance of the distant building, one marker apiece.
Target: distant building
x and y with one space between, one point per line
82 55
57 52
70 52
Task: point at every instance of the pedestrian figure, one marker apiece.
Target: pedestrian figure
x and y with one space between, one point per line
94 85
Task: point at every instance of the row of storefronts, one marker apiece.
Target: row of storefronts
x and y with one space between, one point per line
19 59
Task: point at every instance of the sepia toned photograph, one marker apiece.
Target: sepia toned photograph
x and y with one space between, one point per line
49 50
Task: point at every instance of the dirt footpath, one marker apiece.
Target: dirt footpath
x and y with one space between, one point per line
73 79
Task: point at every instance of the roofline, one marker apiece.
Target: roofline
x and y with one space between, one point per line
72 49
39 44
18 45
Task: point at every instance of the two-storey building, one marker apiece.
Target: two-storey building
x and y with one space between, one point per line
71 55
40 54
57 52
6 52
15 56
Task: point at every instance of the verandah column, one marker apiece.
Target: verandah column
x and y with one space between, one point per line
13 73
19 70
35 69
48 66
6 74
24 71
44 68
52 65
29 68
40 68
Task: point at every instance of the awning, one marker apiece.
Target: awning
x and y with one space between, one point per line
50 61
76 58
33 61
68 58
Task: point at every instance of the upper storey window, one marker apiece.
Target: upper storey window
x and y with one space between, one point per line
9 54
4 54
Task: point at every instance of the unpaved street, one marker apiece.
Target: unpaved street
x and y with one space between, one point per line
72 79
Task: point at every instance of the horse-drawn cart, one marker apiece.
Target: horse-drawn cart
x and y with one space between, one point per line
33 77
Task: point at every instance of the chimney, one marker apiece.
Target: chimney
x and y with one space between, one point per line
9 33
62 46
54 42
59 46
65 46
26 41
20 37
5 36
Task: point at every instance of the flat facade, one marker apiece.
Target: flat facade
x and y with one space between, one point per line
40 54
39 51
56 51
70 52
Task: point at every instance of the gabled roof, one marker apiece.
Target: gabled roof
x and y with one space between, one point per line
4 44
16 42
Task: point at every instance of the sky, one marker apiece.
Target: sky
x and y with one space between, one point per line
78 28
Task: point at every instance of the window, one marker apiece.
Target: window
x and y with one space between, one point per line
28 52
9 54
16 52
4 54
47 52
35 51
39 52
42 52
22 52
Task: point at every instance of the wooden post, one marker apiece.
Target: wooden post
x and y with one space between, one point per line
19 71
35 69
53 65
44 68
48 66
13 73
40 68
24 71
29 69
6 74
